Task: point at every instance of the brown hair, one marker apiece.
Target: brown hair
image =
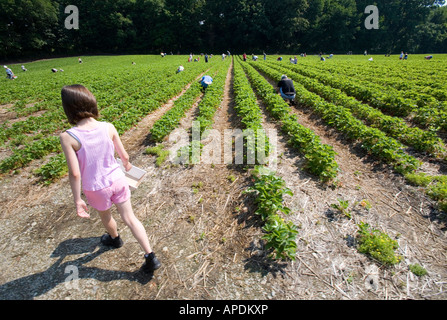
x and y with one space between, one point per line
79 103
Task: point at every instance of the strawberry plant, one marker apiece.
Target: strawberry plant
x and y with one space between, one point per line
53 170
249 112
270 190
170 120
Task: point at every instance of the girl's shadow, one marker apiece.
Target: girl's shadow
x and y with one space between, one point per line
34 285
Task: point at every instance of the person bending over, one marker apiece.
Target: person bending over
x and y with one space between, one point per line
287 89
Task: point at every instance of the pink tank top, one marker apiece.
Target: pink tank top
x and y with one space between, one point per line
96 157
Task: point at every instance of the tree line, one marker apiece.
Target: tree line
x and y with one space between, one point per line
32 28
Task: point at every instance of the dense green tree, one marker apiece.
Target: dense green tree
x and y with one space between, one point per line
287 22
400 23
432 36
27 26
182 25
333 26
32 28
228 25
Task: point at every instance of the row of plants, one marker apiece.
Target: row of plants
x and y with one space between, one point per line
419 139
373 140
100 74
435 186
207 107
248 110
153 96
118 98
40 91
212 99
411 82
36 150
269 191
170 120
320 158
389 101
416 68
123 115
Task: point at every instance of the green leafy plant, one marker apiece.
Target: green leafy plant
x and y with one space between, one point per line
342 207
246 105
270 191
158 151
280 236
54 169
377 245
417 269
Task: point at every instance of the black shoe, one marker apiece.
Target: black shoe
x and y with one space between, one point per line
107 240
151 263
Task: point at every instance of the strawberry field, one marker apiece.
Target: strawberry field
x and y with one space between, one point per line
342 195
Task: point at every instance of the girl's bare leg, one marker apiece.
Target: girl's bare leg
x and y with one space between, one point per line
137 228
109 223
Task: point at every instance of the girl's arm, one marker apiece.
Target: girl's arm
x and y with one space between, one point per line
74 174
119 147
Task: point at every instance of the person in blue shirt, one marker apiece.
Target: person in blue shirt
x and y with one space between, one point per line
9 73
206 81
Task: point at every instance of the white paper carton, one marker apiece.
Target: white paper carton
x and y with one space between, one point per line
134 176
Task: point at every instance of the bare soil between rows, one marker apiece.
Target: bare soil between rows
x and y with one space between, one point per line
202 226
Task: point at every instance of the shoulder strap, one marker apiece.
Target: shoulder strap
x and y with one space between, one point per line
74 136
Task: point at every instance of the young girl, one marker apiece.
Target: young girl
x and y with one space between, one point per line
89 149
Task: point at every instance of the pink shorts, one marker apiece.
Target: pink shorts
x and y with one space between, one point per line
103 199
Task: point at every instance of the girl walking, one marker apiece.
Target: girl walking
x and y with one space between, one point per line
89 149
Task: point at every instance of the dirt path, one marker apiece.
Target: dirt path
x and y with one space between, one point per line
206 238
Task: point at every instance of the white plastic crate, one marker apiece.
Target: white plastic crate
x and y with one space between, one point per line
134 176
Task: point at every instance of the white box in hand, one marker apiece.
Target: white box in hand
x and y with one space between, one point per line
134 175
